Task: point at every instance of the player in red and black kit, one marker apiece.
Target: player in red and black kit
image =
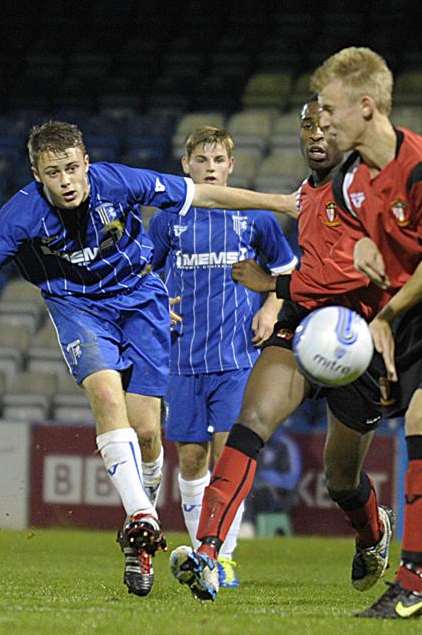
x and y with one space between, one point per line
353 411
379 190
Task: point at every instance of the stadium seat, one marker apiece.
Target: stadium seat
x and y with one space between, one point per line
285 133
252 128
267 90
301 91
246 167
281 171
30 396
190 122
70 403
44 352
20 290
408 117
408 88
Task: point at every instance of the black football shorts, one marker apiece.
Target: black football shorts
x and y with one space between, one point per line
361 404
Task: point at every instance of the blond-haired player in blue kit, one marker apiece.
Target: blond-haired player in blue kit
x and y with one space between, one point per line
216 344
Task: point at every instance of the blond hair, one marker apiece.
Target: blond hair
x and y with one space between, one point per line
362 71
209 135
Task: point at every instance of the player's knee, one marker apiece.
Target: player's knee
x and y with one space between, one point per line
147 433
256 420
104 397
413 421
340 479
193 462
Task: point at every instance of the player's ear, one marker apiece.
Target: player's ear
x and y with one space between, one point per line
86 162
185 165
232 163
35 173
368 107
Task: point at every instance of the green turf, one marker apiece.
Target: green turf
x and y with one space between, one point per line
69 583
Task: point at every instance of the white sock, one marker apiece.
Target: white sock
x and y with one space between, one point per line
151 472
122 459
230 543
192 493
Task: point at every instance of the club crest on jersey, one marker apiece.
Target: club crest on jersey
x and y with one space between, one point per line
357 199
331 218
179 230
240 224
106 212
401 212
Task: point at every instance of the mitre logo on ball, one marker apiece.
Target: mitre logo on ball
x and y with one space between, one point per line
333 346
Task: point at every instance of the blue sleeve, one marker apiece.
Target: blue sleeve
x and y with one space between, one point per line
165 191
272 244
18 225
158 231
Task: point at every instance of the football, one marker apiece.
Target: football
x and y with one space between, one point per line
333 346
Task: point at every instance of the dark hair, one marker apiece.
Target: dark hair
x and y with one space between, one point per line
53 136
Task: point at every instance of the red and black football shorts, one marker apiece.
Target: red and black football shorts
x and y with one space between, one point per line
362 404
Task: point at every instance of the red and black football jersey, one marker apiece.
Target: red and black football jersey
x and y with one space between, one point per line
387 207
326 274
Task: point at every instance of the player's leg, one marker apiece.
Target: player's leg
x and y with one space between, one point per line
403 599
351 488
194 476
116 439
145 342
186 426
145 328
145 417
225 397
90 343
274 390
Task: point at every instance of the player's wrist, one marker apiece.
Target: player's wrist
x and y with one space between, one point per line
282 287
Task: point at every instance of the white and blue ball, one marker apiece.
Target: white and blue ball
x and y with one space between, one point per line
333 346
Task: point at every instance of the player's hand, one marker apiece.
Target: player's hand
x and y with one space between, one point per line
262 326
384 344
252 276
289 204
369 261
174 317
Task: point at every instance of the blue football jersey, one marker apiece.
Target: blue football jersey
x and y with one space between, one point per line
198 251
79 252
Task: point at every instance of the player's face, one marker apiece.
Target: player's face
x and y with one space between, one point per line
319 149
342 116
209 163
64 177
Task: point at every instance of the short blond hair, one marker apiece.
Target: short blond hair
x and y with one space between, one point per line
362 71
209 135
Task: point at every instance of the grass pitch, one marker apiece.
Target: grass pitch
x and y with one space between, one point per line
65 582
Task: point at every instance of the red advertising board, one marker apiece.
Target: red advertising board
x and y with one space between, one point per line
315 513
69 486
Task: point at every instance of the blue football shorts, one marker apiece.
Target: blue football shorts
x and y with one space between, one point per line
128 332
200 405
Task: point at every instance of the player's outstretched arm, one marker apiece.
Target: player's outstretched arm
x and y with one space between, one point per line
237 198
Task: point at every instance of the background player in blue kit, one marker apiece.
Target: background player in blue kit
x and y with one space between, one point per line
77 234
215 345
